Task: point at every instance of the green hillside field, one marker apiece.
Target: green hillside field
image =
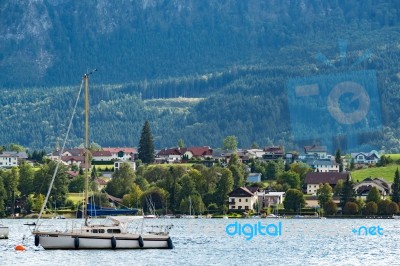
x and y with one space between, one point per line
386 172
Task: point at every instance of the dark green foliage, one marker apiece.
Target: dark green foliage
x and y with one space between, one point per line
371 208
392 208
383 207
347 194
294 200
146 145
324 194
77 185
330 207
122 180
338 160
350 208
374 195
396 187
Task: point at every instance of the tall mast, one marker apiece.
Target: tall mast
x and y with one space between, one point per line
86 78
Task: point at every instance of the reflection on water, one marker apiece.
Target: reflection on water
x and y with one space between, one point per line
205 242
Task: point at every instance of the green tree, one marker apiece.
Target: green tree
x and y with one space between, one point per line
383 207
294 200
350 208
3 198
338 188
42 179
371 208
330 207
392 208
11 181
230 143
374 195
272 170
77 185
16 147
146 145
224 186
26 175
236 167
338 160
396 187
132 199
347 194
292 179
181 144
301 168
156 196
122 180
324 194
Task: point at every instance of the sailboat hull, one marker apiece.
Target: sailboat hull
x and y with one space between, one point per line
66 241
4 230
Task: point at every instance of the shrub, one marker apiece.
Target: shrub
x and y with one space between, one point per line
371 208
330 207
350 208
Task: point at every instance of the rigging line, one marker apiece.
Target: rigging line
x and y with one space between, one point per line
59 156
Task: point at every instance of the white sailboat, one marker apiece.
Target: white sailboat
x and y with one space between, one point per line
115 232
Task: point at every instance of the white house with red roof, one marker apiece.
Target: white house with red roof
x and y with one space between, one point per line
122 154
102 155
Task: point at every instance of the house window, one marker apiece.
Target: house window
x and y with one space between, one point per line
315 186
247 200
240 200
246 207
239 207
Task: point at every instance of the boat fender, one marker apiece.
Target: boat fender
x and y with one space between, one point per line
76 242
113 242
36 240
170 244
141 242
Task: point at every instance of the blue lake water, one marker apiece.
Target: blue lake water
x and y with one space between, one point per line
206 242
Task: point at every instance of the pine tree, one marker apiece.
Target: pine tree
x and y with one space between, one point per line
347 194
338 159
146 145
396 187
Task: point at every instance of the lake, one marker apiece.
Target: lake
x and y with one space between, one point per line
206 242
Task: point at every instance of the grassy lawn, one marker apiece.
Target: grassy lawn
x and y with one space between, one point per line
386 172
395 157
75 197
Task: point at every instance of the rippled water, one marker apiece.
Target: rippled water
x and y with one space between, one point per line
205 242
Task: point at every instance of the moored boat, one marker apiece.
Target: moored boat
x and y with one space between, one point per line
4 231
115 232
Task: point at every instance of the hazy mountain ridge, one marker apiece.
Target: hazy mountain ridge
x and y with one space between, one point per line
235 55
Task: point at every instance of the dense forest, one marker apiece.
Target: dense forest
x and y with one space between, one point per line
198 71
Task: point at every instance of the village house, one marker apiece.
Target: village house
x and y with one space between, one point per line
364 187
270 198
315 152
117 165
314 179
243 198
11 158
366 158
101 156
319 165
122 154
273 153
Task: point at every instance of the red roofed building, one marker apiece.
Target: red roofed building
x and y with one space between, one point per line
122 154
313 179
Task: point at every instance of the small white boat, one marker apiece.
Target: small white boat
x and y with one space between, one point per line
4 231
396 216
